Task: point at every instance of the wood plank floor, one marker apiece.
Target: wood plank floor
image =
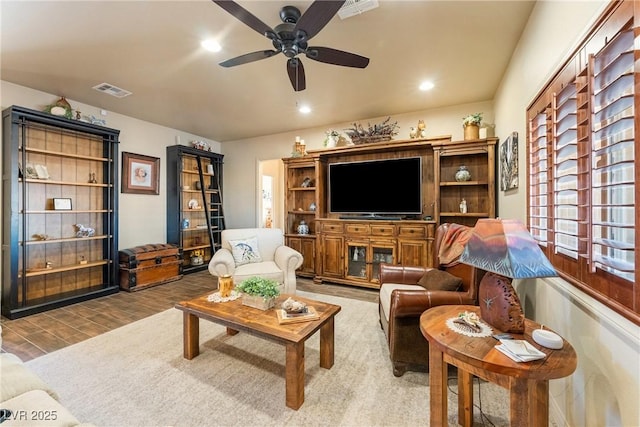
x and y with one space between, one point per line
36 335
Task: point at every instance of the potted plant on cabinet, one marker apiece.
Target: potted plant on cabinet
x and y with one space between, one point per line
471 125
332 138
259 292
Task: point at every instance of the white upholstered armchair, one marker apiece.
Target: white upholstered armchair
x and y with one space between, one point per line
248 252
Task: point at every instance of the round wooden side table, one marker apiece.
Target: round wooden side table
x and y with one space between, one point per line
527 382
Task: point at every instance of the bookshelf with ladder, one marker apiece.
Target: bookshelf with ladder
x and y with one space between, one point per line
195 217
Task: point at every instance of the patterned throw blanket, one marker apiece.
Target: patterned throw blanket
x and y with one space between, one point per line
453 243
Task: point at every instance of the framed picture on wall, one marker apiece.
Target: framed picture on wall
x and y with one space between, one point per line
140 174
509 162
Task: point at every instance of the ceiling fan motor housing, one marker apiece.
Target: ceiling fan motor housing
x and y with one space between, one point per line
290 14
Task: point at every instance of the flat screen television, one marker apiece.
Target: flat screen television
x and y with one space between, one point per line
385 187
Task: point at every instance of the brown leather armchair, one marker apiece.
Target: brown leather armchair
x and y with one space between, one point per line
402 301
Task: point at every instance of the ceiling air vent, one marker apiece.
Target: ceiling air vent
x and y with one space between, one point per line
356 7
112 90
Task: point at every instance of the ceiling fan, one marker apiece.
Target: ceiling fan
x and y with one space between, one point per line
292 36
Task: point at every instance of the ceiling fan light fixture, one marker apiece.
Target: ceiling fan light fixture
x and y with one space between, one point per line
211 45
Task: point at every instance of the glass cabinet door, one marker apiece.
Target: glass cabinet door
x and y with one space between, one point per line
381 254
357 260
364 259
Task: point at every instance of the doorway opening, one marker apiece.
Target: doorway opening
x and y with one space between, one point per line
270 198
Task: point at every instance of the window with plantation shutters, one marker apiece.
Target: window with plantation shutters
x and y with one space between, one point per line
538 176
565 176
613 169
583 164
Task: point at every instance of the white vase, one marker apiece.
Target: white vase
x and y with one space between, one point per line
303 228
463 174
332 141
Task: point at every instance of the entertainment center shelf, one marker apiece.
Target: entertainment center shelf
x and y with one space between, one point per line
348 249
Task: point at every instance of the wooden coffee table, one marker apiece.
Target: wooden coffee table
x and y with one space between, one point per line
264 324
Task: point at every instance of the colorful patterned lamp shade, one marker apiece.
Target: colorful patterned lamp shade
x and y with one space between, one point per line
505 250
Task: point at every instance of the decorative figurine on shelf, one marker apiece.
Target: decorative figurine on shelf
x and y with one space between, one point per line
82 231
422 129
463 206
92 178
312 207
185 223
83 260
201 145
41 236
413 132
95 121
303 228
48 265
463 174
306 183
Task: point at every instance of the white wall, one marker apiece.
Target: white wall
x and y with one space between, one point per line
142 218
605 389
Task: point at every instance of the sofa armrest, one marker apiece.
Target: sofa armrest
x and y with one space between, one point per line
406 275
222 263
18 379
287 259
408 303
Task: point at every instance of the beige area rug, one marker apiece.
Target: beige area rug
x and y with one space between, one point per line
136 376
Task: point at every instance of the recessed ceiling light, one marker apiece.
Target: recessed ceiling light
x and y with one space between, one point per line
424 86
304 109
211 45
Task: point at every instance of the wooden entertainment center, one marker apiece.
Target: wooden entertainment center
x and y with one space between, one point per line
349 251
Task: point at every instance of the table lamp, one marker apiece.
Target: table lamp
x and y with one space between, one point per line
505 250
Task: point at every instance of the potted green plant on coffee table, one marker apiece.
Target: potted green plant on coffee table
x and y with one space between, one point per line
259 292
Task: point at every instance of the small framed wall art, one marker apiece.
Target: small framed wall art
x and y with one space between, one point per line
140 174
509 162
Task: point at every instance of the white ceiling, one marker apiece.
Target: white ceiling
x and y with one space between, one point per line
152 48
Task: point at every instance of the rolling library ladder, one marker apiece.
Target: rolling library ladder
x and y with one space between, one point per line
195 217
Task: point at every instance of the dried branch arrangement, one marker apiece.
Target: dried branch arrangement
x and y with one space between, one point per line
381 132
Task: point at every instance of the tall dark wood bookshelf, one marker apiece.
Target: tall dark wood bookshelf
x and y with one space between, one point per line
57 174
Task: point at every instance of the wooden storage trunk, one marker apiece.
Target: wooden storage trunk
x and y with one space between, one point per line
149 265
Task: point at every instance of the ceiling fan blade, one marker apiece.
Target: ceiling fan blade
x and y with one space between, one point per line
317 16
244 16
336 57
249 57
296 74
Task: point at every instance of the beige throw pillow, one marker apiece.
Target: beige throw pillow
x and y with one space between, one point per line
245 251
438 280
